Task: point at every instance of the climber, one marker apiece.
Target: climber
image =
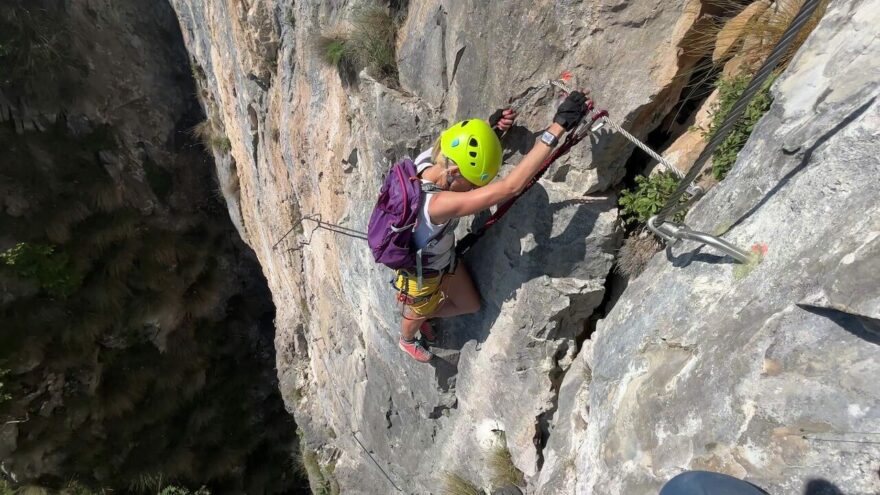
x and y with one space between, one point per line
456 175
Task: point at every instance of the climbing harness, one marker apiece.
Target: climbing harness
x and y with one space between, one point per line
672 232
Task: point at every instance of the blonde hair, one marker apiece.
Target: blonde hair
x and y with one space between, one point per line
436 155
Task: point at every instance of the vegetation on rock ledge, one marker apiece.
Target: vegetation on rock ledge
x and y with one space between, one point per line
730 90
369 42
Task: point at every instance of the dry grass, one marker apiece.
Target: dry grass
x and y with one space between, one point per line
502 469
231 187
454 484
369 42
212 137
636 252
738 36
309 468
748 30
754 34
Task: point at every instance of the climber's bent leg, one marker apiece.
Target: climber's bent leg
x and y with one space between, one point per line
461 296
408 343
410 323
420 302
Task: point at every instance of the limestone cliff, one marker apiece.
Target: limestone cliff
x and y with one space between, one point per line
309 143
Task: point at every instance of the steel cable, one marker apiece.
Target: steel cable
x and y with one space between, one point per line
806 11
642 146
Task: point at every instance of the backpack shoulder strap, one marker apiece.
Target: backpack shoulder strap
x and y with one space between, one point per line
430 187
423 161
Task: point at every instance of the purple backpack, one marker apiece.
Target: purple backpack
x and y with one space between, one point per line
390 230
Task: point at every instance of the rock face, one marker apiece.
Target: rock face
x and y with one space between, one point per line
310 145
765 373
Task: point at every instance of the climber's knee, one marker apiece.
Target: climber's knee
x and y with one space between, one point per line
471 306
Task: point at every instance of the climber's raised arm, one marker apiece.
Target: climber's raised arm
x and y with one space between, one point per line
471 155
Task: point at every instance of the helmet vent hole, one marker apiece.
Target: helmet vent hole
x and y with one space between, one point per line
473 164
465 123
473 142
473 154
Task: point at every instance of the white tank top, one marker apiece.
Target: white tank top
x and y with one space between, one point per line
437 241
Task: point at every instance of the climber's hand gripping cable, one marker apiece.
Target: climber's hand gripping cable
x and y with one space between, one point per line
502 119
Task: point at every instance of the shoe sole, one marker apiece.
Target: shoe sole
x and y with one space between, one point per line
430 355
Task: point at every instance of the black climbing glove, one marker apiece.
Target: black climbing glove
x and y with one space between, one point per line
571 111
493 120
501 120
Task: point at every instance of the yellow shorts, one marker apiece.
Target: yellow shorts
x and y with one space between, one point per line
422 302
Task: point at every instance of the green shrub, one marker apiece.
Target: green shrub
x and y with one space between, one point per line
647 198
730 91
52 271
373 41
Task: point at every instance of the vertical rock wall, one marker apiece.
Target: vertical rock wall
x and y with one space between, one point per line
767 371
688 338
309 143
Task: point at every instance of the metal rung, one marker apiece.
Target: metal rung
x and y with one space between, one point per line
673 232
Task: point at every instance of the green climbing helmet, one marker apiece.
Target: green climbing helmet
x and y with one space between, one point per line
475 148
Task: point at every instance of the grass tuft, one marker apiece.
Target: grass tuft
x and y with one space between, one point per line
35 53
212 137
636 252
369 42
332 49
453 484
502 469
